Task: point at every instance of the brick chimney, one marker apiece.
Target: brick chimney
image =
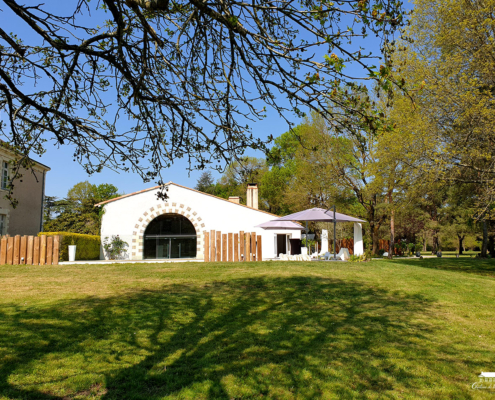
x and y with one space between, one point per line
234 199
252 195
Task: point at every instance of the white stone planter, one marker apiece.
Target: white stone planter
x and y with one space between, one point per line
72 253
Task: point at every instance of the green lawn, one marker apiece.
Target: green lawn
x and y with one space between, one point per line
405 328
466 254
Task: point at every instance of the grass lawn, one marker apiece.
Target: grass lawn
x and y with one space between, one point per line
465 254
405 328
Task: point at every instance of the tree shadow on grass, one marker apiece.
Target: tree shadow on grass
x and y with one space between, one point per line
484 267
299 337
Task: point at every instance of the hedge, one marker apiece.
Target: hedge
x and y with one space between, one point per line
88 246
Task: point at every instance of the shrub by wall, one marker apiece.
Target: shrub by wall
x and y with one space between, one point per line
88 246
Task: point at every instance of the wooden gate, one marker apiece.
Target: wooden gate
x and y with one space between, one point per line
30 250
242 246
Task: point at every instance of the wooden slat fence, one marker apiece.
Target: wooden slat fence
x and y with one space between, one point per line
341 243
233 247
385 245
30 250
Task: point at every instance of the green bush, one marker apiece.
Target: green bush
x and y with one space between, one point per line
411 247
360 258
88 246
115 246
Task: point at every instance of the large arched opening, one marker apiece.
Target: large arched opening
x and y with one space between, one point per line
170 236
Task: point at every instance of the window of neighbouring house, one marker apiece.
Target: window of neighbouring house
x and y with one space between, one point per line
5 175
2 224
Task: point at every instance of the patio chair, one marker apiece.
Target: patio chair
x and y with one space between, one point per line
343 254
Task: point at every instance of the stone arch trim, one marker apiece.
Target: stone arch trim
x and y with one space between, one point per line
160 209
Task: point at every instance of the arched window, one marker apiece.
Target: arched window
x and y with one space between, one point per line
170 236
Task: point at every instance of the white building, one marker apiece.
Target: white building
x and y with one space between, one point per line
174 228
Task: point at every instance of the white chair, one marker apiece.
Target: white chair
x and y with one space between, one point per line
344 254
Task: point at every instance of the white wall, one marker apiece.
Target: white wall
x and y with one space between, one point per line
126 217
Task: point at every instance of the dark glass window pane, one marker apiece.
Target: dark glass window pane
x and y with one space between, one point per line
170 224
183 247
149 250
159 240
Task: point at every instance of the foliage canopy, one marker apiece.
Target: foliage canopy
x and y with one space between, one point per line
188 75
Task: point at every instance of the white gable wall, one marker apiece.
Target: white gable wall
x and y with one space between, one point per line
129 216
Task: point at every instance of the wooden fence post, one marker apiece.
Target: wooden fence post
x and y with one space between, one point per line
17 249
10 250
253 246
49 250
259 256
224 247
231 247
29 250
36 251
248 246
3 250
236 247
243 249
43 250
23 253
219 246
213 252
207 246
56 249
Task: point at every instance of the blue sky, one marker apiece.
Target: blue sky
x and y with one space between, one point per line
65 172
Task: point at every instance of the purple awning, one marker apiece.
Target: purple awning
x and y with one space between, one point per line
318 214
280 225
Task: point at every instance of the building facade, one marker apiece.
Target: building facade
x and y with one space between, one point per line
29 190
174 228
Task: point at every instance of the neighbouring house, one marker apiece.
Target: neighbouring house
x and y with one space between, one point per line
29 190
174 228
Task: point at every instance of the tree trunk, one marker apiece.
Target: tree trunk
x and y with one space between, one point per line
369 234
392 229
374 228
491 245
425 242
436 243
461 239
484 246
376 240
